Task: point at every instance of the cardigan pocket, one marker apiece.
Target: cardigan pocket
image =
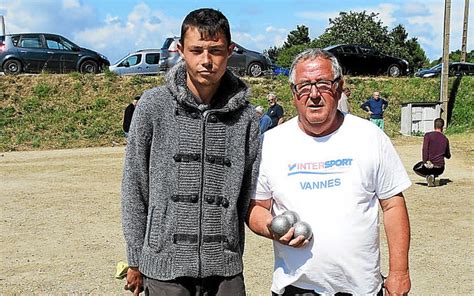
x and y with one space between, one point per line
156 233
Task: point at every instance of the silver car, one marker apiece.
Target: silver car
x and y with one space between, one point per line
169 54
144 62
241 62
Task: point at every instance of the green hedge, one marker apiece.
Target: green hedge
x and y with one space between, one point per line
65 111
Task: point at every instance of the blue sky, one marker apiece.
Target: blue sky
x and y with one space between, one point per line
116 27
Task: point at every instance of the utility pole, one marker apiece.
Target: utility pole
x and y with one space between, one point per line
464 31
443 98
2 21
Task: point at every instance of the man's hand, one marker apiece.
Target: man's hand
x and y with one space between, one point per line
134 281
397 283
287 238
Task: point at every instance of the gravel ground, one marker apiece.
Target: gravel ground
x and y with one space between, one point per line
61 231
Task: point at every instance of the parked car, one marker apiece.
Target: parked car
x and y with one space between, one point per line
242 61
143 61
248 62
365 60
38 52
455 69
169 54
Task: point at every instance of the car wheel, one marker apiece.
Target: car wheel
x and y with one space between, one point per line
394 71
12 67
255 70
89 66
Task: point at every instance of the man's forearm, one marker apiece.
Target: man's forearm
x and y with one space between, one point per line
258 219
397 229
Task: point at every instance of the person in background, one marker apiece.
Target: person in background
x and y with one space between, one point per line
275 111
375 106
435 150
128 114
265 120
333 169
190 170
343 104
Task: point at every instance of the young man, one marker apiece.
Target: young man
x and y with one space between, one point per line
275 111
333 169
128 114
343 104
435 149
190 170
375 107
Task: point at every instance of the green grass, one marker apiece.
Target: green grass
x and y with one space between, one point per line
65 111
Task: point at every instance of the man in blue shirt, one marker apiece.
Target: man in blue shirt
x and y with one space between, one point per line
265 120
275 111
375 106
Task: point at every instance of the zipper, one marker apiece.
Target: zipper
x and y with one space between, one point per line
205 115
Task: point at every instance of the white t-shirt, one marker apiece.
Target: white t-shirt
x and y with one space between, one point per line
333 183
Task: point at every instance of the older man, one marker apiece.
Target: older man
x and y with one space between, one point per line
275 111
190 170
375 106
333 169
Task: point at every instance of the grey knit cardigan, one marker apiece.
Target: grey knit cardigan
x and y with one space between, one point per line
189 173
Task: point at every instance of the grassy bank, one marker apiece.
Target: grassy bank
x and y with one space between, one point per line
65 111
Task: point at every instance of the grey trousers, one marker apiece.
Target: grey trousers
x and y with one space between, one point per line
186 286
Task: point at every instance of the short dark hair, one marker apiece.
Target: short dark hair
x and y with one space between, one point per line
209 22
438 123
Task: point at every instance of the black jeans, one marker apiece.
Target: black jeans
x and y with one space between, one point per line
295 291
423 171
187 286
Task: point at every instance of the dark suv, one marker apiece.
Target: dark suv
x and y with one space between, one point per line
361 59
38 52
242 61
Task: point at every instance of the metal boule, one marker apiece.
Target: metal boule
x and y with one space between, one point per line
293 217
304 229
280 225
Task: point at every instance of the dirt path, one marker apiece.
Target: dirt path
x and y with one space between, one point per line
61 232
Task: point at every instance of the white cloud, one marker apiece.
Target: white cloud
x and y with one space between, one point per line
428 27
271 29
71 4
414 8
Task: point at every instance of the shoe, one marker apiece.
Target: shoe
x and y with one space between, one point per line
430 179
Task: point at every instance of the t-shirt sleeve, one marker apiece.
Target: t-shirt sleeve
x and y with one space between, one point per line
391 178
279 112
263 191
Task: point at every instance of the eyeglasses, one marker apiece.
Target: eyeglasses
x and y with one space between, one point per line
322 86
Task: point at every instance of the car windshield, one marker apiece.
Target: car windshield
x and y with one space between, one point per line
437 67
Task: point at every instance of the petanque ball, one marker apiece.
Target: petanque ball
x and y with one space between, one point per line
280 225
304 229
293 217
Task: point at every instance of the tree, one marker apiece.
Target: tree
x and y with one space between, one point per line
416 55
356 28
299 36
455 56
286 56
283 55
361 28
272 53
408 49
366 29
